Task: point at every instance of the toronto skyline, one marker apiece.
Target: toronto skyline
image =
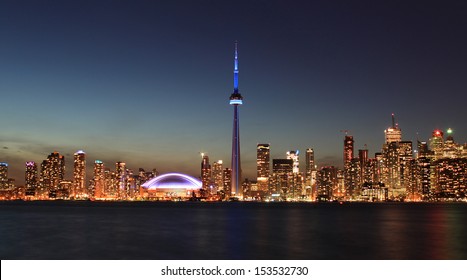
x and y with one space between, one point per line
146 82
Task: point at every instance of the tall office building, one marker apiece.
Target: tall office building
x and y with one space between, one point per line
294 155
31 176
79 175
3 175
348 157
437 144
205 173
391 176
393 133
282 177
227 182
348 149
451 149
309 166
263 166
120 179
406 166
424 177
99 179
217 176
236 99
364 168
327 183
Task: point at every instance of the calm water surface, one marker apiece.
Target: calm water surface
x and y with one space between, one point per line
145 230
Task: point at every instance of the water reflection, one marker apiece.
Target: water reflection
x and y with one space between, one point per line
232 231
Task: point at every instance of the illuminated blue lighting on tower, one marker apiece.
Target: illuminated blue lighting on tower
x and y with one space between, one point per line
236 70
235 100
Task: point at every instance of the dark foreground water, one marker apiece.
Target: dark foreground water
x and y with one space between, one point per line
143 230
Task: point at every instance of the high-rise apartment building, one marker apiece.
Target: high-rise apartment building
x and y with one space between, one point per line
263 166
31 176
121 179
327 183
349 182
3 175
52 173
309 166
217 176
450 178
79 175
99 179
227 182
205 173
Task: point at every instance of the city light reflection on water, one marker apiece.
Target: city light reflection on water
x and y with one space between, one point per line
145 230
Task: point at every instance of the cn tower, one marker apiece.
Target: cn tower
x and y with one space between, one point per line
235 100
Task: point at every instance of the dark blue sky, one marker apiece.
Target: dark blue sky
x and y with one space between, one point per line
148 82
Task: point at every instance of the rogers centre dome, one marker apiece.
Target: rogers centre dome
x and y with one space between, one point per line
172 185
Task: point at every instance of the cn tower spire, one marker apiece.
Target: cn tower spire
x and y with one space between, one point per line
235 100
236 68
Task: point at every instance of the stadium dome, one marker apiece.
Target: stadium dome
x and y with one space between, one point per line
173 181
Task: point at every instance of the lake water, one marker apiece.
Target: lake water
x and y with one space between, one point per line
236 230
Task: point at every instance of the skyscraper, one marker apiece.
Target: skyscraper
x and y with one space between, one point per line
262 166
217 176
309 165
349 184
31 176
282 177
205 173
328 183
235 100
227 182
79 175
437 143
52 173
3 175
293 155
393 133
120 179
99 179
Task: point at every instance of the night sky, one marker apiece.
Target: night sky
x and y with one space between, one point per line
148 82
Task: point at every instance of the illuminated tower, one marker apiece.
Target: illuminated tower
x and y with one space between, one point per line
348 149
227 177
3 175
262 166
235 100
394 133
293 155
54 170
205 173
120 179
391 176
437 143
31 176
282 177
349 182
309 165
79 175
218 176
99 179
